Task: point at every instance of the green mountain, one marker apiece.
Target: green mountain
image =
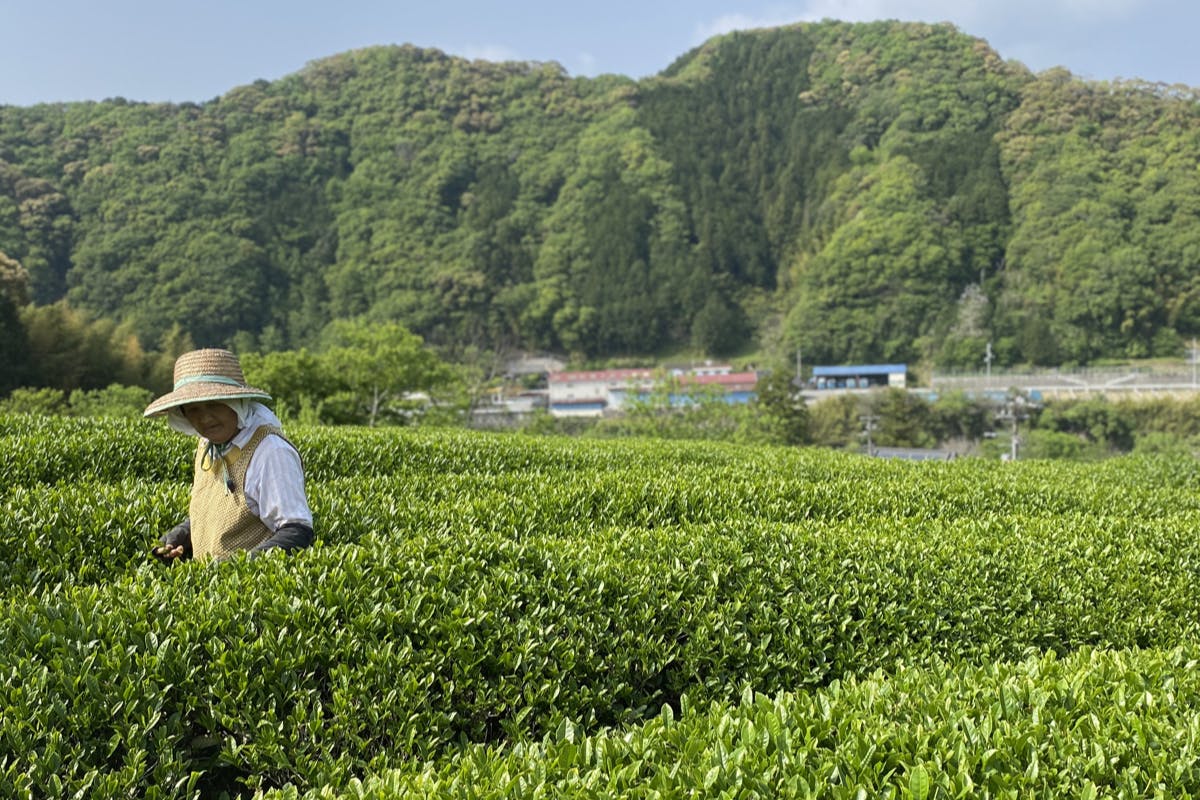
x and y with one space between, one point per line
882 191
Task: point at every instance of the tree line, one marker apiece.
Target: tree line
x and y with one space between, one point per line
863 192
369 374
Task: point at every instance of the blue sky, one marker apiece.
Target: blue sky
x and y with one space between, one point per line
167 50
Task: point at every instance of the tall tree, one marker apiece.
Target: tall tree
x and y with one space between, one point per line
382 366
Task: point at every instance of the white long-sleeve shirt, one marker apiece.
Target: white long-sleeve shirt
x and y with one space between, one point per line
274 487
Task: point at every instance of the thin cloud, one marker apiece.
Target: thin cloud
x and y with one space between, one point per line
1111 9
489 52
588 64
742 22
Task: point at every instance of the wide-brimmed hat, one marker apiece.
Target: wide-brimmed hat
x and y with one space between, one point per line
203 375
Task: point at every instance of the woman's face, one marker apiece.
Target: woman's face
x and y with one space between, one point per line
213 420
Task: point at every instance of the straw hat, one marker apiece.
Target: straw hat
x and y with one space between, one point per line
203 375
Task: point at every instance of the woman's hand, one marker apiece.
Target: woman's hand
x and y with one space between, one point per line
168 552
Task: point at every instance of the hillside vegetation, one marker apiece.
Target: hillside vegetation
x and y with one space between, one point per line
882 191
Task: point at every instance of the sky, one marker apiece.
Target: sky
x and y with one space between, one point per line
176 51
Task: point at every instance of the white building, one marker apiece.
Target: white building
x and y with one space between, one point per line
590 393
587 393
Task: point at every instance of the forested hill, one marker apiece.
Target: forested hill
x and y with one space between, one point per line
883 191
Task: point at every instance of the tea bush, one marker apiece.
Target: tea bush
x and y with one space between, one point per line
513 613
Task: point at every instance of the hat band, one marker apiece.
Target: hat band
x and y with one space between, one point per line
179 384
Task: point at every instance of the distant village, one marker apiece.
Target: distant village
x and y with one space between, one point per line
543 384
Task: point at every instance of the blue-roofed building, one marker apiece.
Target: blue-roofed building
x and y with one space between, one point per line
859 376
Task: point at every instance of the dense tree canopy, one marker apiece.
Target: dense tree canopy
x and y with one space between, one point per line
891 191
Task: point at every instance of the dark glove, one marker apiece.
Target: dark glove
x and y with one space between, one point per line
178 537
290 537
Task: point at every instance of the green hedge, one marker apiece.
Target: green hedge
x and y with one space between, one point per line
482 590
1096 724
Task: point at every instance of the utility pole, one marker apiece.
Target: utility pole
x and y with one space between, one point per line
987 359
1013 412
869 421
1193 363
1014 440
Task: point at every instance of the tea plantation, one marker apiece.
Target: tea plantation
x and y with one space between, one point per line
495 616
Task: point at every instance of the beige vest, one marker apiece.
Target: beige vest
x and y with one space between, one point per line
221 522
